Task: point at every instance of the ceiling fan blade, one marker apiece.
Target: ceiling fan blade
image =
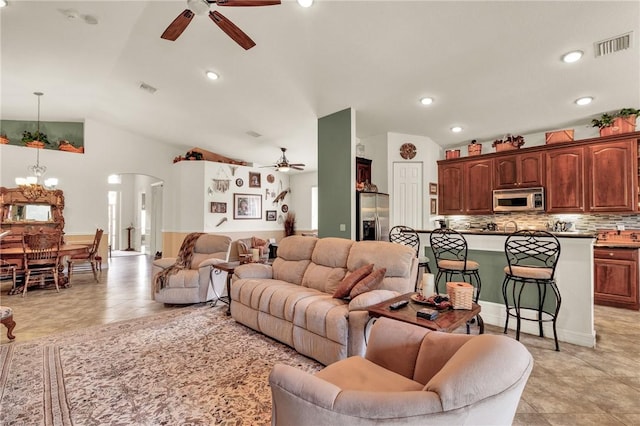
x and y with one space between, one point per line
178 25
295 167
232 31
247 2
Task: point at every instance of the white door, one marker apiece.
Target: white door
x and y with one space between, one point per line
407 195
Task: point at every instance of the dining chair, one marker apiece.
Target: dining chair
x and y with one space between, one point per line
90 257
41 253
8 270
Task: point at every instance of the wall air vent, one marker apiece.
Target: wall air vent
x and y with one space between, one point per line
613 45
254 134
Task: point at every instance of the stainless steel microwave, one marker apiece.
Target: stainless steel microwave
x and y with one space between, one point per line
518 200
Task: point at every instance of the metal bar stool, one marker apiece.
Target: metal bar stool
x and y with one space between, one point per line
409 237
532 257
450 250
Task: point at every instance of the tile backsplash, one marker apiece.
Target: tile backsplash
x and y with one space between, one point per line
579 222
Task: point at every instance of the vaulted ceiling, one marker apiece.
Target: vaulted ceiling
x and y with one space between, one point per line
491 67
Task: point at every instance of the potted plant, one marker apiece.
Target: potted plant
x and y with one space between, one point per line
508 143
65 145
623 121
35 140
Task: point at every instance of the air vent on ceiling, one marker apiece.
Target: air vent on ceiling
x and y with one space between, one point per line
254 134
612 45
148 88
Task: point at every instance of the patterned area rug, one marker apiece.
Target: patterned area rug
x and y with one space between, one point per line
190 366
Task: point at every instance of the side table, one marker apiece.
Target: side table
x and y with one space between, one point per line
229 268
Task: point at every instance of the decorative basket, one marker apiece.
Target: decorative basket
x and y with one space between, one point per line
559 136
451 153
620 125
460 295
474 148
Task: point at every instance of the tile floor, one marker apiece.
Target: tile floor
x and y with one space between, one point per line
576 386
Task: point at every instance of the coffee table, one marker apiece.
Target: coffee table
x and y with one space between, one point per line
447 321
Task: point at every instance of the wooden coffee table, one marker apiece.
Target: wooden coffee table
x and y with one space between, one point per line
447 321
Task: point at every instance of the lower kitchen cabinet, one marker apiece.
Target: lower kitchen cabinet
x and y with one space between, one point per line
616 277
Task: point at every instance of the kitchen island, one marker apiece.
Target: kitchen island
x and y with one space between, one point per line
574 277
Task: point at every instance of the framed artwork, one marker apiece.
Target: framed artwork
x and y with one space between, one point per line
434 206
272 215
247 206
433 188
218 207
254 180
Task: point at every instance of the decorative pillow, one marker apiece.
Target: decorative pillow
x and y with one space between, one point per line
368 283
348 282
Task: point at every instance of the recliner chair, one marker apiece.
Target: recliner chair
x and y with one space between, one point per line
193 285
410 376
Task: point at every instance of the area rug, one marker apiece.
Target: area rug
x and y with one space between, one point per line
187 366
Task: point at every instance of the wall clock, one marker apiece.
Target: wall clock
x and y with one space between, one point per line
408 151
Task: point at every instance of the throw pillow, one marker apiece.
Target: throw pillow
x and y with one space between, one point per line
368 283
348 282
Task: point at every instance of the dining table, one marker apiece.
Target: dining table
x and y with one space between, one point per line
15 255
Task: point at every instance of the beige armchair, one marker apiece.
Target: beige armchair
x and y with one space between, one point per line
192 285
409 375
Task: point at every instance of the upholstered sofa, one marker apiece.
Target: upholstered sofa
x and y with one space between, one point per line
292 299
410 376
192 285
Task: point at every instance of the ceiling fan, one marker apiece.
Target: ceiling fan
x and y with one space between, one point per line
200 7
283 164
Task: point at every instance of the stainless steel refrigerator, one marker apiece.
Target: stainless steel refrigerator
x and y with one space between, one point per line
372 216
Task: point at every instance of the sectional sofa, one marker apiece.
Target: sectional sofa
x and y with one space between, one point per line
292 300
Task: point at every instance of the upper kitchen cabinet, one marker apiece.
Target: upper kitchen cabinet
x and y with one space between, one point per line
519 171
478 182
465 187
565 180
612 182
450 194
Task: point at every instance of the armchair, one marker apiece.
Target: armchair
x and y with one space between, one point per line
191 284
409 375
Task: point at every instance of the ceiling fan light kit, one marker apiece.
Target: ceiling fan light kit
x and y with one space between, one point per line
200 7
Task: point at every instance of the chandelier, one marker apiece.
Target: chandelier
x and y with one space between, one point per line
31 186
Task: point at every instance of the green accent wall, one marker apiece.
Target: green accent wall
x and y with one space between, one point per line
335 161
55 130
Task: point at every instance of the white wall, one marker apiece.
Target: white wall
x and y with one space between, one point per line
83 177
375 149
301 184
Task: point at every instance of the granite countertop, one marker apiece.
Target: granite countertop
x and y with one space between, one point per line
570 234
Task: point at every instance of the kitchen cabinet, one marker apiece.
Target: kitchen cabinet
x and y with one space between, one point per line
616 277
612 176
363 170
450 191
565 180
519 171
465 187
478 187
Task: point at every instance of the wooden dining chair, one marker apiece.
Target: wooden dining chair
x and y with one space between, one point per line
41 253
89 257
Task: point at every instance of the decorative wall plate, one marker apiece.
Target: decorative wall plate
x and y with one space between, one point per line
408 151
239 182
284 208
271 178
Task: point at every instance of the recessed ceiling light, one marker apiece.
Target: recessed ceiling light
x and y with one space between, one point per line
584 101
305 3
456 129
573 56
426 101
212 75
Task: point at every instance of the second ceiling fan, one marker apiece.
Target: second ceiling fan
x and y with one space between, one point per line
200 7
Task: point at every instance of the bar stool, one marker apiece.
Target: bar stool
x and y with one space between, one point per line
532 257
450 250
409 237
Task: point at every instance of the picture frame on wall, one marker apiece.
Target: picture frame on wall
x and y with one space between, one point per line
272 215
434 206
247 206
433 188
217 207
254 180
